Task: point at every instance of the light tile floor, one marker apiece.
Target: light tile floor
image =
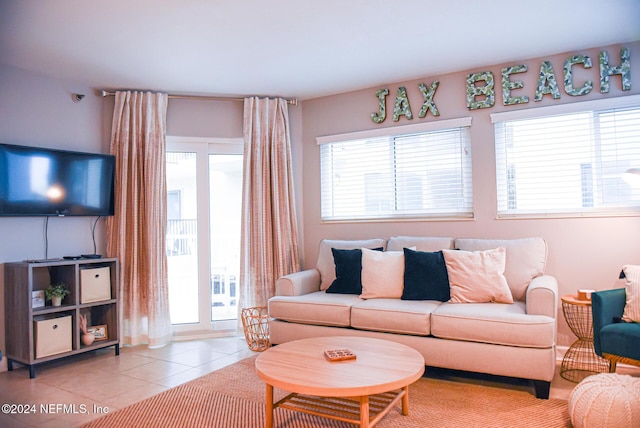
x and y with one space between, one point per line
98 382
74 390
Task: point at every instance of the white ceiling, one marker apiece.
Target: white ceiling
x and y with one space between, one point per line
294 48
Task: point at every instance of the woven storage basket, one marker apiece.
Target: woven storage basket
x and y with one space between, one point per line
606 400
255 323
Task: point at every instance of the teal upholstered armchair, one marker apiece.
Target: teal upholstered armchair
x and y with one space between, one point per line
614 339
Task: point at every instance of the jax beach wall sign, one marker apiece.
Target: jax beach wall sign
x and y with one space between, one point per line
481 87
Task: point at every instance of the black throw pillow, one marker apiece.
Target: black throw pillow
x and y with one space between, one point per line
425 276
348 271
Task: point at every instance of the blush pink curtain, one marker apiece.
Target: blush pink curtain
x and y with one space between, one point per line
136 233
269 229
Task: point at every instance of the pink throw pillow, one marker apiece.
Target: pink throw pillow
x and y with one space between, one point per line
632 285
477 276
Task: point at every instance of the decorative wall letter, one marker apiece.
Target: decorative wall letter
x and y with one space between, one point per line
551 86
480 89
381 115
568 75
427 94
508 85
474 91
402 105
623 69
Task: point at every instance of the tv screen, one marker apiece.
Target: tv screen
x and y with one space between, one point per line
45 182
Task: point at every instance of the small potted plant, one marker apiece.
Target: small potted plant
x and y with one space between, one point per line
56 292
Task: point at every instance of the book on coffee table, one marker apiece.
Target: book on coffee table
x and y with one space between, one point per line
339 355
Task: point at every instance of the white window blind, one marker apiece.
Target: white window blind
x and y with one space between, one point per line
424 174
569 163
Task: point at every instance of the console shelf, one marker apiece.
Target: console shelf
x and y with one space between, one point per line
22 319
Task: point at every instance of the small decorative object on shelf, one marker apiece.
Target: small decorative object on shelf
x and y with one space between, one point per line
339 355
99 332
56 292
87 337
37 299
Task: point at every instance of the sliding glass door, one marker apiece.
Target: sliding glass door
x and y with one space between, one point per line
204 203
225 206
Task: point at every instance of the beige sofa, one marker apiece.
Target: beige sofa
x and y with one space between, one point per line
507 339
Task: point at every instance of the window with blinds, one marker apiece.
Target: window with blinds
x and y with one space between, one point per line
568 163
413 175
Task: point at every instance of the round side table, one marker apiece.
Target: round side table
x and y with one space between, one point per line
580 359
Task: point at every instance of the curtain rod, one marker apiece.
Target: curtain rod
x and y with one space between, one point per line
293 102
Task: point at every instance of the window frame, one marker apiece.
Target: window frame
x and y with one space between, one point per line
595 108
398 132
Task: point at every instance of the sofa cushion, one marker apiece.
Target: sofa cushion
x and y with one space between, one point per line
620 339
314 308
394 315
425 276
420 243
525 259
325 264
382 274
477 276
495 323
348 272
632 293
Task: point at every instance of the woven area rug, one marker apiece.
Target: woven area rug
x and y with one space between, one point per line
235 396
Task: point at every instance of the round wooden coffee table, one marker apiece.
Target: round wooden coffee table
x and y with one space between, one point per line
359 391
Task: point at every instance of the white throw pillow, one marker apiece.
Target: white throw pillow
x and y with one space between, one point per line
326 265
477 276
382 274
632 285
420 243
525 259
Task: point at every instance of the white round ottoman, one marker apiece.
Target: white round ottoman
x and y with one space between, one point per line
606 400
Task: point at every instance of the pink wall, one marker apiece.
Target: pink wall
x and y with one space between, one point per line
200 118
583 252
37 110
586 253
223 119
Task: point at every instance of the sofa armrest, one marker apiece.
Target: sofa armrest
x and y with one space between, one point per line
542 296
298 283
605 306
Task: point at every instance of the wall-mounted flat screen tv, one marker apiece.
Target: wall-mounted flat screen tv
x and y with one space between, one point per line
46 182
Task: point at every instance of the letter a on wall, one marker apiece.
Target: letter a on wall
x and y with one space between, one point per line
546 82
402 106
